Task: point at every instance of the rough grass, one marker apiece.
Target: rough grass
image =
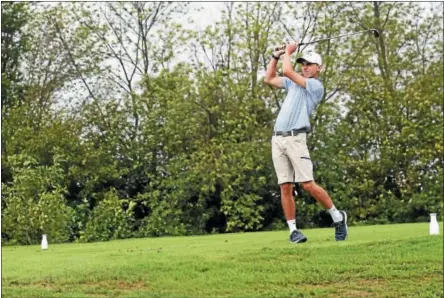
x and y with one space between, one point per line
376 261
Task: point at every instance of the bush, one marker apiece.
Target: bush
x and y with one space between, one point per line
166 217
34 203
109 220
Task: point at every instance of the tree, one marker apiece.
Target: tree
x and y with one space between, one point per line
14 45
384 125
126 138
15 16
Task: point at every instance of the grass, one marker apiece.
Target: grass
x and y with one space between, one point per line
376 261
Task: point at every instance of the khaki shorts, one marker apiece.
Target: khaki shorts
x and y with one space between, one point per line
291 158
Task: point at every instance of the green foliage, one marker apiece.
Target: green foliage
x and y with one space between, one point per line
15 16
109 220
165 218
390 151
157 144
34 204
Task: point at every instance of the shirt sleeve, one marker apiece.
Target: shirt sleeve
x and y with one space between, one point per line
315 89
287 83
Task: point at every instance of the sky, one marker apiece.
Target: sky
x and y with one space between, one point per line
210 14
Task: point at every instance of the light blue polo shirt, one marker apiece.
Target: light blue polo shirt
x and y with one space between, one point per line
299 104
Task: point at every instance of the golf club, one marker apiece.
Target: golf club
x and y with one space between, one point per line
374 31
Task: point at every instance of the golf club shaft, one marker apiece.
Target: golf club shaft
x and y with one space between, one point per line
375 33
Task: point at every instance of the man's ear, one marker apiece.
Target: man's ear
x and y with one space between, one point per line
319 68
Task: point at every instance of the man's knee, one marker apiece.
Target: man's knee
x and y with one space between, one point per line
286 188
308 186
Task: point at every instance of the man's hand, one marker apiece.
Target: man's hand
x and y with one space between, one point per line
270 75
291 48
278 53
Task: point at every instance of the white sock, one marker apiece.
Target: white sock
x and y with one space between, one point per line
292 225
335 214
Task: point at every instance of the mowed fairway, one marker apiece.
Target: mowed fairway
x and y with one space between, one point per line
376 261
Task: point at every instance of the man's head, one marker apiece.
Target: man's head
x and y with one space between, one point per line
311 64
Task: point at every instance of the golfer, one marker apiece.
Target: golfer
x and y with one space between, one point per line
291 158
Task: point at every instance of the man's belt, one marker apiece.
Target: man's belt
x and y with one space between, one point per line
291 132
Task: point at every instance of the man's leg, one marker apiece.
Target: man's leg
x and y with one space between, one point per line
285 175
287 201
299 156
339 217
289 208
318 193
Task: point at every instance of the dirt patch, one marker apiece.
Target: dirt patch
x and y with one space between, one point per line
104 284
370 282
120 284
376 287
347 288
354 293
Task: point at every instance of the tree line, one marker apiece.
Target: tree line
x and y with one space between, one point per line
119 122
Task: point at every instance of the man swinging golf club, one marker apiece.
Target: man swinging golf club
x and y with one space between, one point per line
291 158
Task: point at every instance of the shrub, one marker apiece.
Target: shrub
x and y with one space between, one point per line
34 203
109 220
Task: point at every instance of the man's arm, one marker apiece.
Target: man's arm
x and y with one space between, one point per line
270 75
288 68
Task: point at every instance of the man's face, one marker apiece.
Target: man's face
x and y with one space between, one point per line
310 70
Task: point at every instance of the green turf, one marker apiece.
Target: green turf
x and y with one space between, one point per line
376 261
